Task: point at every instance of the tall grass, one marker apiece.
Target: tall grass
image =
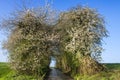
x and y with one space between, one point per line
7 74
100 76
113 73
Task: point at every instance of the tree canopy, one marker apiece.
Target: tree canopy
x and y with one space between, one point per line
28 43
76 36
82 30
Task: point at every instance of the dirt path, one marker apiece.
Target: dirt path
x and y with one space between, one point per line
55 74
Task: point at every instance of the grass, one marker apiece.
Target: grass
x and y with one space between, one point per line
4 70
8 74
113 74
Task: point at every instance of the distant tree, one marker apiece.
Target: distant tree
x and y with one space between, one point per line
81 31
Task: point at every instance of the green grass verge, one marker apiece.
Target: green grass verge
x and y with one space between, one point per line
8 74
100 76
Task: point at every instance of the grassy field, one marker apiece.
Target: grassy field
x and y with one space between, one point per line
113 73
113 66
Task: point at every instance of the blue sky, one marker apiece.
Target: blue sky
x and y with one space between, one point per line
110 9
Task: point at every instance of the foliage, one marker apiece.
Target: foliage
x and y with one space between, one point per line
16 76
113 75
68 62
81 31
75 37
28 43
8 74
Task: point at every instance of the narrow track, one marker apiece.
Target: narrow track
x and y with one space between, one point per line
56 74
